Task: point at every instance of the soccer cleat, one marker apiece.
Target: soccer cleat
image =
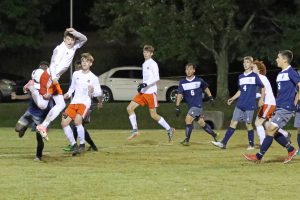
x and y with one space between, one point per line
26 87
249 148
252 157
37 159
42 131
92 148
134 133
219 144
67 148
74 149
290 156
81 148
170 133
216 137
298 154
185 143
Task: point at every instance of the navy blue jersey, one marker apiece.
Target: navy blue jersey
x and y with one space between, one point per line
248 84
192 91
287 81
36 111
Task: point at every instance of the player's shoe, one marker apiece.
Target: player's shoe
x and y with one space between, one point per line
250 147
26 87
216 137
252 157
185 143
92 148
42 131
298 154
290 156
37 159
133 133
67 148
74 149
170 133
81 148
219 144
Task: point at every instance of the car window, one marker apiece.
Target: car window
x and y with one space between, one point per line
136 74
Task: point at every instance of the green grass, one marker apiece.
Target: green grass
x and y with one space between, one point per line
146 168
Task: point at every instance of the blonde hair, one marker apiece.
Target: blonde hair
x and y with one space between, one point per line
87 56
148 48
250 58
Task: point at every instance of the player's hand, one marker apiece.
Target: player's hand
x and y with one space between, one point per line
298 106
211 100
47 96
70 29
55 81
141 86
66 96
229 101
13 96
177 111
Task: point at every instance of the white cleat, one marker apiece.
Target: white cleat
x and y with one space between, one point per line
219 144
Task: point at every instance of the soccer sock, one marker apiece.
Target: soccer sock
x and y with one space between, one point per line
261 133
133 122
188 131
163 123
56 110
298 139
40 145
208 129
69 134
80 131
283 132
74 130
88 138
251 137
283 142
228 135
265 146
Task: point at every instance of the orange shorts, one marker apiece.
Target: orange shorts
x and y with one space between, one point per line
266 111
74 109
146 99
53 89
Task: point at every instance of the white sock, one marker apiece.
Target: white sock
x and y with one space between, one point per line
133 122
164 124
80 131
69 134
56 110
261 133
38 99
283 132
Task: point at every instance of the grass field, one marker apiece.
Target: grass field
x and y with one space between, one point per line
146 168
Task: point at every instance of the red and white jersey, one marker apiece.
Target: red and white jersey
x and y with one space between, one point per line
62 56
150 76
269 95
81 85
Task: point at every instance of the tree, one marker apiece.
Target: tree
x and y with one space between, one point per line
186 30
20 23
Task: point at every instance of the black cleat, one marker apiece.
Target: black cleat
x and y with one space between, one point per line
81 148
74 150
185 143
92 148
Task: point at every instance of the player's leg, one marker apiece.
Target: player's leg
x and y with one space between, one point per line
80 131
39 147
23 124
260 129
188 129
132 117
206 127
68 116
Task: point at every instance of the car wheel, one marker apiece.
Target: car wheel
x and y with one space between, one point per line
172 94
107 94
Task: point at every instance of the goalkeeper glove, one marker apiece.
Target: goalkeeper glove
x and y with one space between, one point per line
141 86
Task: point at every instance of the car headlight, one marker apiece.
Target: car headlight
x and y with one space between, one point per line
8 82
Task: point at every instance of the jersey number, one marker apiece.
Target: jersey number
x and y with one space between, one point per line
278 85
192 92
245 88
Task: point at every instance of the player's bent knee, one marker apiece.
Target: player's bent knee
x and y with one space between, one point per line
21 129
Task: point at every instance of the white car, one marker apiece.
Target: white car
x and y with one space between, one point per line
120 84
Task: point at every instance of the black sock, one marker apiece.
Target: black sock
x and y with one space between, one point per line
88 138
208 130
40 145
265 146
251 137
283 142
188 131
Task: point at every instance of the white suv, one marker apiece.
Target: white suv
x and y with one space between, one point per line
120 84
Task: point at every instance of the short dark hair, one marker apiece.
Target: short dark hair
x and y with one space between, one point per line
190 64
43 65
287 54
68 34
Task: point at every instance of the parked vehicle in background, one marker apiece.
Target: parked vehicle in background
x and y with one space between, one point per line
10 83
120 84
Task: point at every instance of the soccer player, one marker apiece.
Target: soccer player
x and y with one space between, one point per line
288 82
191 88
33 115
246 104
61 59
85 84
147 95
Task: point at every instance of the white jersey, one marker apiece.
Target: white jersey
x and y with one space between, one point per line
150 76
62 56
269 95
81 82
